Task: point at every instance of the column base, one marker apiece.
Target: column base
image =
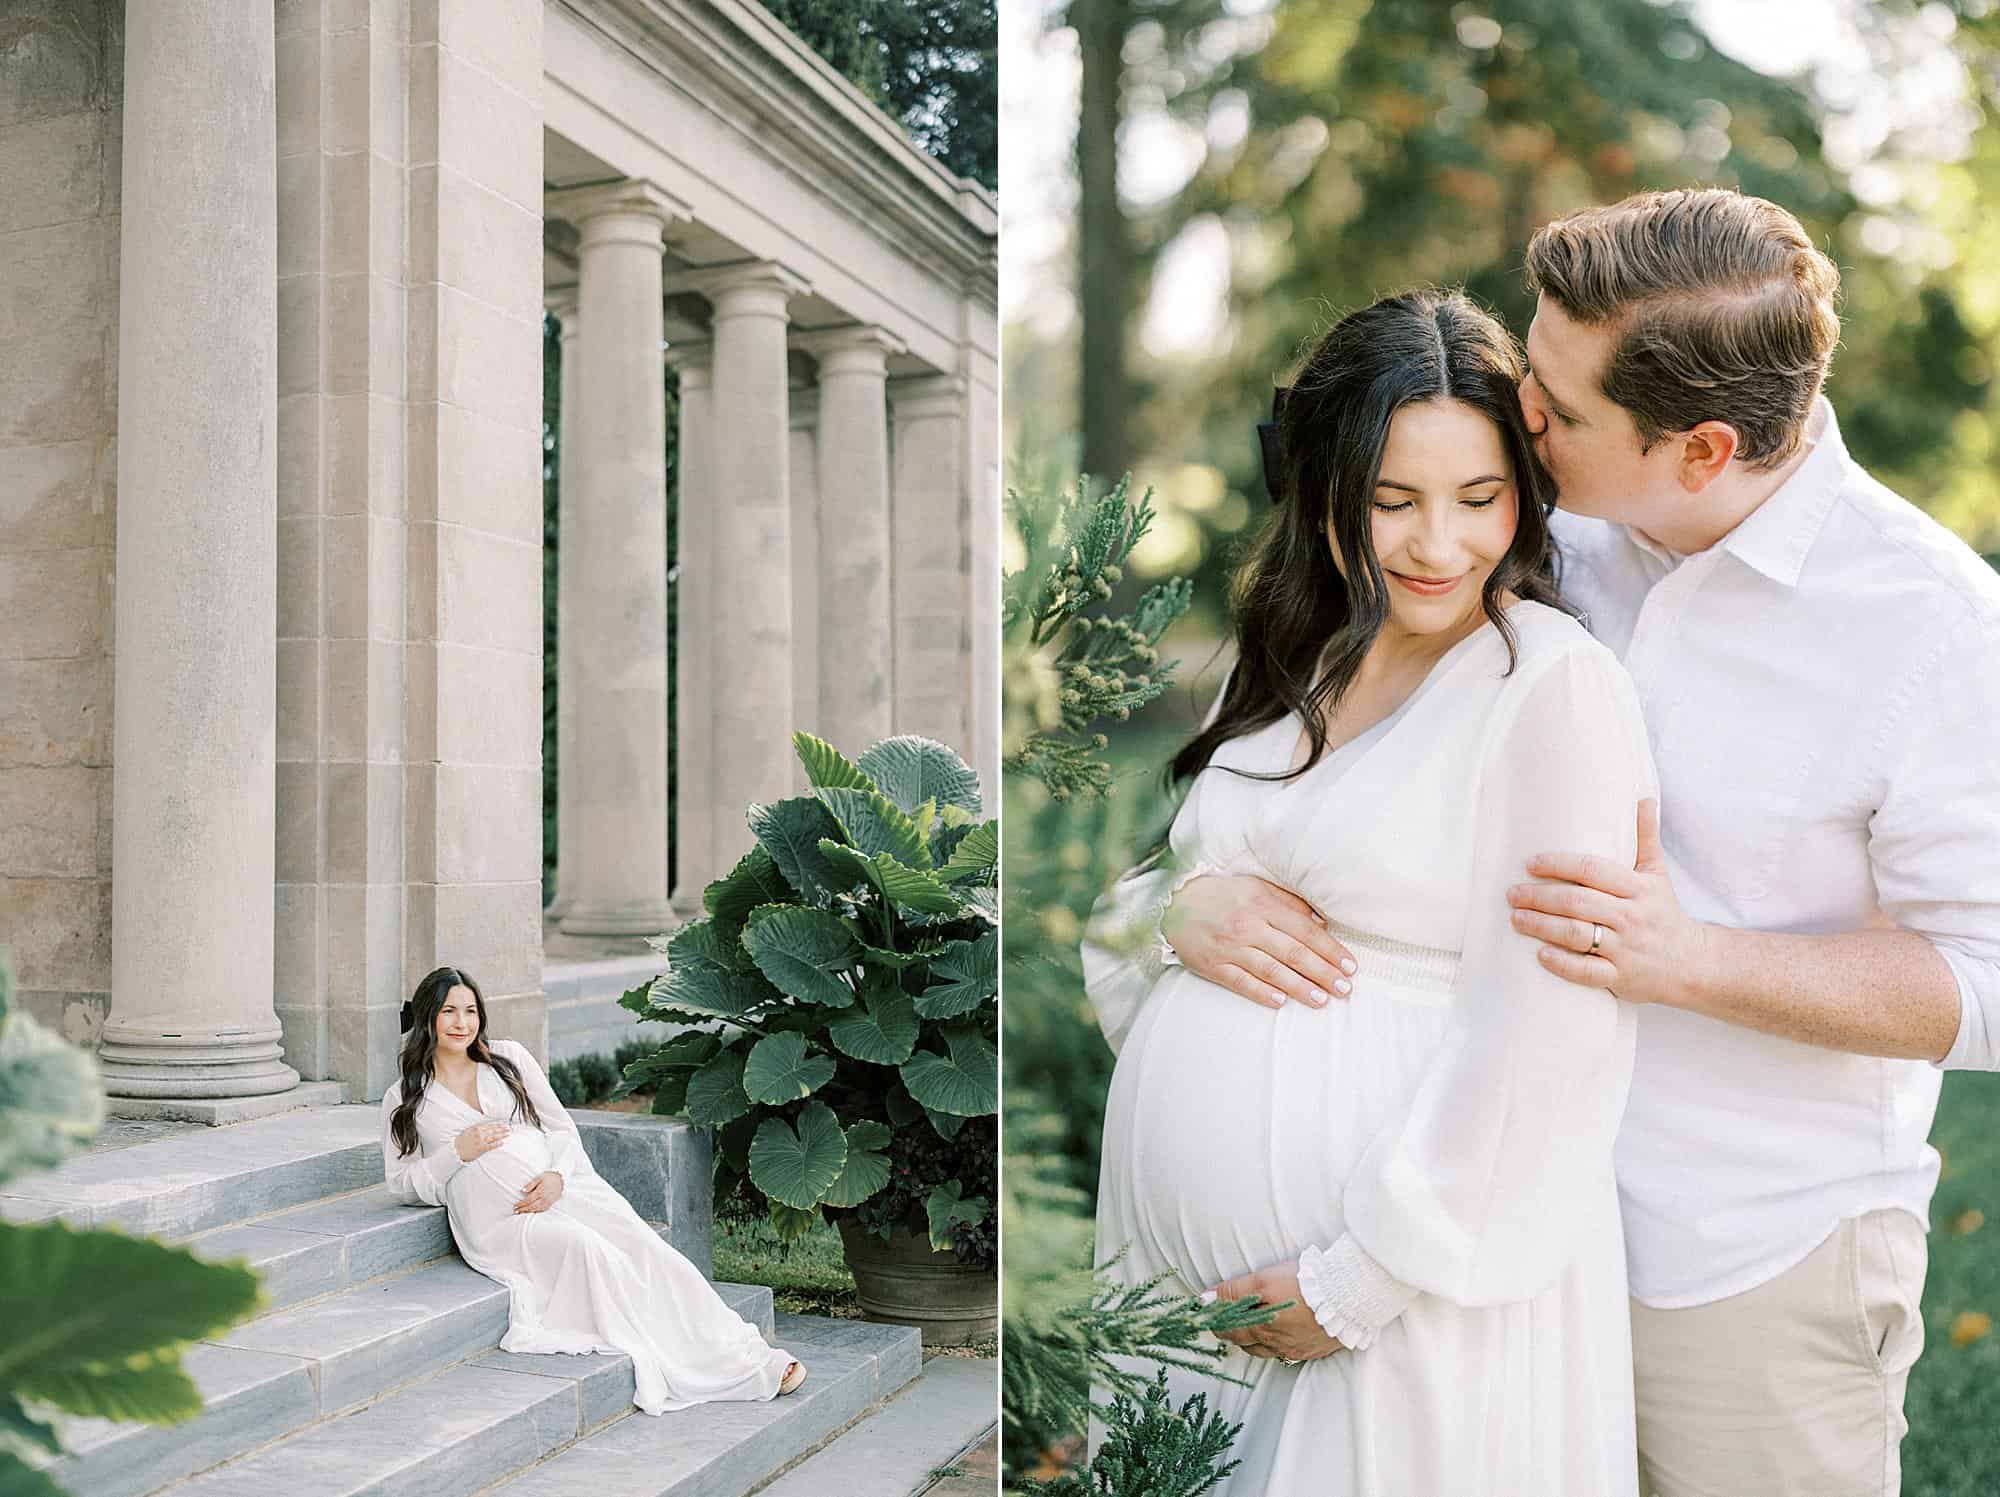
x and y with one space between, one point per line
652 920
216 1111
146 1061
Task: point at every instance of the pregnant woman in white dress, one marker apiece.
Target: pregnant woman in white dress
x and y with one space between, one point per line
1426 1163
484 1136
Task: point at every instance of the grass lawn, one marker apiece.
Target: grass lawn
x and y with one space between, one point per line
1953 1449
808 1277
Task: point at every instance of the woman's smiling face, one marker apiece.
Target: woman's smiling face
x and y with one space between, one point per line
458 1020
1443 514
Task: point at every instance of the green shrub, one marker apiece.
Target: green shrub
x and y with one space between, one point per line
597 1076
842 996
1066 666
566 1083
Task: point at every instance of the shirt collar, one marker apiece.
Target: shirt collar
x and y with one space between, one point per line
1775 537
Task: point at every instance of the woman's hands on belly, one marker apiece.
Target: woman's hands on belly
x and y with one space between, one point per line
1295 1335
541 1193
515 1165
1258 940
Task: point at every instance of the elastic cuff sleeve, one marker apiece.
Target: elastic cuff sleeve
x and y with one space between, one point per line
1350 1294
1167 955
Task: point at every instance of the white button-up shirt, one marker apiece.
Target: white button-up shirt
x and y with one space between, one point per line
1822 691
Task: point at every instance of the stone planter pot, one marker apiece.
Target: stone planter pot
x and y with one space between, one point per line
906 1282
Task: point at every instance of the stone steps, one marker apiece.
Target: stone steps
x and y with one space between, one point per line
726 1449
307 1251
297 1367
374 1367
900 1450
175 1187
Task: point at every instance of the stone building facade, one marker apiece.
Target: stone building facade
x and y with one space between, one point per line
272 281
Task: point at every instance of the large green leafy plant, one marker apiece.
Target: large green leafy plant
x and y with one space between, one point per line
839 1002
91 1322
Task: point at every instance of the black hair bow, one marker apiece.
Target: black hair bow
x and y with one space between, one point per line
1270 446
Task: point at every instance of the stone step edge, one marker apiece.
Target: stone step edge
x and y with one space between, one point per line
875 1408
861 1417
390 1390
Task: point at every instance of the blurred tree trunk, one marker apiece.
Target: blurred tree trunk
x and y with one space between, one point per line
1104 253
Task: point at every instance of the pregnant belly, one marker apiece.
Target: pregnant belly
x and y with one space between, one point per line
1231 1129
506 1171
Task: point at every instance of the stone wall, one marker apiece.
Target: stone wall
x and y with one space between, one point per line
61 75
409 670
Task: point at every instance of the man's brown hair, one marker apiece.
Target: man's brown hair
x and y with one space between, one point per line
1723 310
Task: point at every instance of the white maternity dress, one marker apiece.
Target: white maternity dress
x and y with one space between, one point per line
587 1274
1444 1136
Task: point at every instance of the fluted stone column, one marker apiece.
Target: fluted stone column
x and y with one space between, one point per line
562 305
929 520
855 706
694 686
618 608
753 706
195 697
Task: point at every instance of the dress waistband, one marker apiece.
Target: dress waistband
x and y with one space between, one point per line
1378 957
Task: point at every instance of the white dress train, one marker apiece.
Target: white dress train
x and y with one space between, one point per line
587 1274
1438 1147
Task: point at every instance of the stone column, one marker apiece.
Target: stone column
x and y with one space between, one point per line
927 534
753 564
195 697
562 305
854 617
694 685
619 544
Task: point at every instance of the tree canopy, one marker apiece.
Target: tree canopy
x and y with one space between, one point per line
930 63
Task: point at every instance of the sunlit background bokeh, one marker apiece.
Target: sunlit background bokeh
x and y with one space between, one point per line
1279 161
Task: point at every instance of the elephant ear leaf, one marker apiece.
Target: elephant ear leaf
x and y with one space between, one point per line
790 831
964 974
779 1070
95 1319
825 764
867 1168
905 887
799 950
875 824
798 1165
754 881
949 1207
911 770
715 1093
963 1083
883 1031
975 856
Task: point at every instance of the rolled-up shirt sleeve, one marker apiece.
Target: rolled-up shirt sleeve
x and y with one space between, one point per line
1934 841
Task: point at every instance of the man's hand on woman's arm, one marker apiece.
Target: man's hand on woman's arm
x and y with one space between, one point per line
1261 942
1880 991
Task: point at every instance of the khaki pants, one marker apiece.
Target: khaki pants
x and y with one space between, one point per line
1791 1389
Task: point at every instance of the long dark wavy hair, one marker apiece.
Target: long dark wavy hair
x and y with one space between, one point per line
419 1058
1302 628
